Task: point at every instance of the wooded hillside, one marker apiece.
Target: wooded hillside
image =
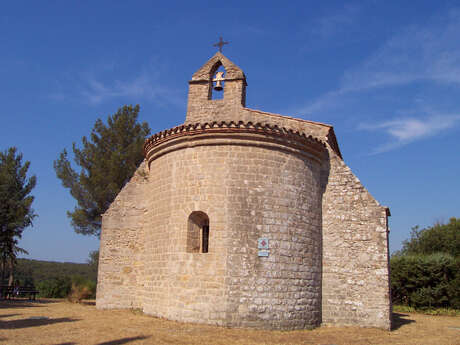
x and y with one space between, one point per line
35 271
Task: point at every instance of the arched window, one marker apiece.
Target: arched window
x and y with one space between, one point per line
198 232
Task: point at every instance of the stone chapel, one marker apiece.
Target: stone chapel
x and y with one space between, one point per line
244 218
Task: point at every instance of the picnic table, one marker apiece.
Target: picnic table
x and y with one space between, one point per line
10 292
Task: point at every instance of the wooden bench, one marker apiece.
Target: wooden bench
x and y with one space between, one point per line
10 292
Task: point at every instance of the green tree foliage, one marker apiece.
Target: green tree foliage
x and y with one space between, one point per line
440 238
61 287
425 273
426 281
107 161
35 271
16 211
56 279
55 287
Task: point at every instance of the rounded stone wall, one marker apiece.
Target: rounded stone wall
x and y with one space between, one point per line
213 191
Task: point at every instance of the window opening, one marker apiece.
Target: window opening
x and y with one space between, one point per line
205 239
198 233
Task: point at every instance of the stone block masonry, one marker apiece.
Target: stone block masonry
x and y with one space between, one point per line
180 241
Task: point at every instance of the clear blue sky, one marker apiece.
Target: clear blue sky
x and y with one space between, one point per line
385 74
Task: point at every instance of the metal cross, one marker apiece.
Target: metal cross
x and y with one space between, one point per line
220 44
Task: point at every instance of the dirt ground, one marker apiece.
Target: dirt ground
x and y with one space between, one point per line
54 322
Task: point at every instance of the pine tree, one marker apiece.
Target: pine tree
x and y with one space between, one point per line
107 161
16 211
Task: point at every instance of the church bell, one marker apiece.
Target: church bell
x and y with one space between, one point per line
218 86
219 79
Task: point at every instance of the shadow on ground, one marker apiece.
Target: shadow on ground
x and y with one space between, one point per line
113 342
88 302
32 322
24 303
124 340
400 320
17 304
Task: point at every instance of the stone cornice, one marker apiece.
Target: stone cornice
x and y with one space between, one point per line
331 138
234 133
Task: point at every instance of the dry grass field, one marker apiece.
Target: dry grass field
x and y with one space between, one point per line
57 322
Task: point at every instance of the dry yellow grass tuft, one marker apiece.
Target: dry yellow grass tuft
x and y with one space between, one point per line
78 293
53 322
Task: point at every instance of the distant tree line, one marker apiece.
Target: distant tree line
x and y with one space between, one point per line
425 273
55 279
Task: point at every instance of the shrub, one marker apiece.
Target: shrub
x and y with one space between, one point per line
81 289
79 293
55 287
75 288
430 281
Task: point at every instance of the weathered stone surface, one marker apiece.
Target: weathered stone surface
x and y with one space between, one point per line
245 174
121 251
355 252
